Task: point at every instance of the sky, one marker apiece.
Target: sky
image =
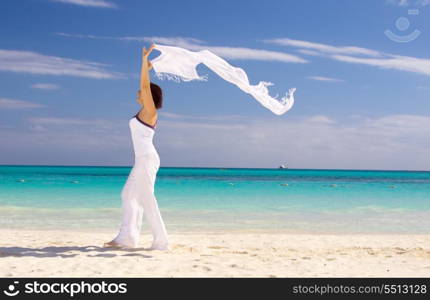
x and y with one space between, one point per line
69 73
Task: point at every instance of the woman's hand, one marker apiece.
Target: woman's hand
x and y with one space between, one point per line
145 54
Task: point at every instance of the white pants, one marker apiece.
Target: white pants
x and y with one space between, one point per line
137 199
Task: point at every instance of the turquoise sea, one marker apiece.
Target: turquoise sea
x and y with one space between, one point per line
221 199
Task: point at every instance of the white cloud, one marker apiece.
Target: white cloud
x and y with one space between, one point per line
45 86
398 2
391 142
327 79
197 45
17 104
320 119
168 115
358 55
409 2
324 48
319 141
90 3
35 63
71 121
253 54
54 140
395 62
309 52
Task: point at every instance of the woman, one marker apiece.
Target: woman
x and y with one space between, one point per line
138 192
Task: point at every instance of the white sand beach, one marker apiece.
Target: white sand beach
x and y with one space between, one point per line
30 253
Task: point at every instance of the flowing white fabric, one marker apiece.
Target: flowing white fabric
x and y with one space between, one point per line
178 64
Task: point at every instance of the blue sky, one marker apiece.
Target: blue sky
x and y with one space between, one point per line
69 75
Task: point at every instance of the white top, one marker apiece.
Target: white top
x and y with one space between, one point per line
142 135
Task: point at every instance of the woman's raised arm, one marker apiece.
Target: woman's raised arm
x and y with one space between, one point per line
144 95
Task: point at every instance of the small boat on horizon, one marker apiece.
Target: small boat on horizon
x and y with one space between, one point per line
283 167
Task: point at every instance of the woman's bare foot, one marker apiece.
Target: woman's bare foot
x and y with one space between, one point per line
113 244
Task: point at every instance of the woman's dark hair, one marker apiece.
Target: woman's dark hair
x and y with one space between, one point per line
157 95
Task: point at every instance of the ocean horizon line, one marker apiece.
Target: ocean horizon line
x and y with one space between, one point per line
221 167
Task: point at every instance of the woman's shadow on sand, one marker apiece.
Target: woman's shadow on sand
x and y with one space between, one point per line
65 252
